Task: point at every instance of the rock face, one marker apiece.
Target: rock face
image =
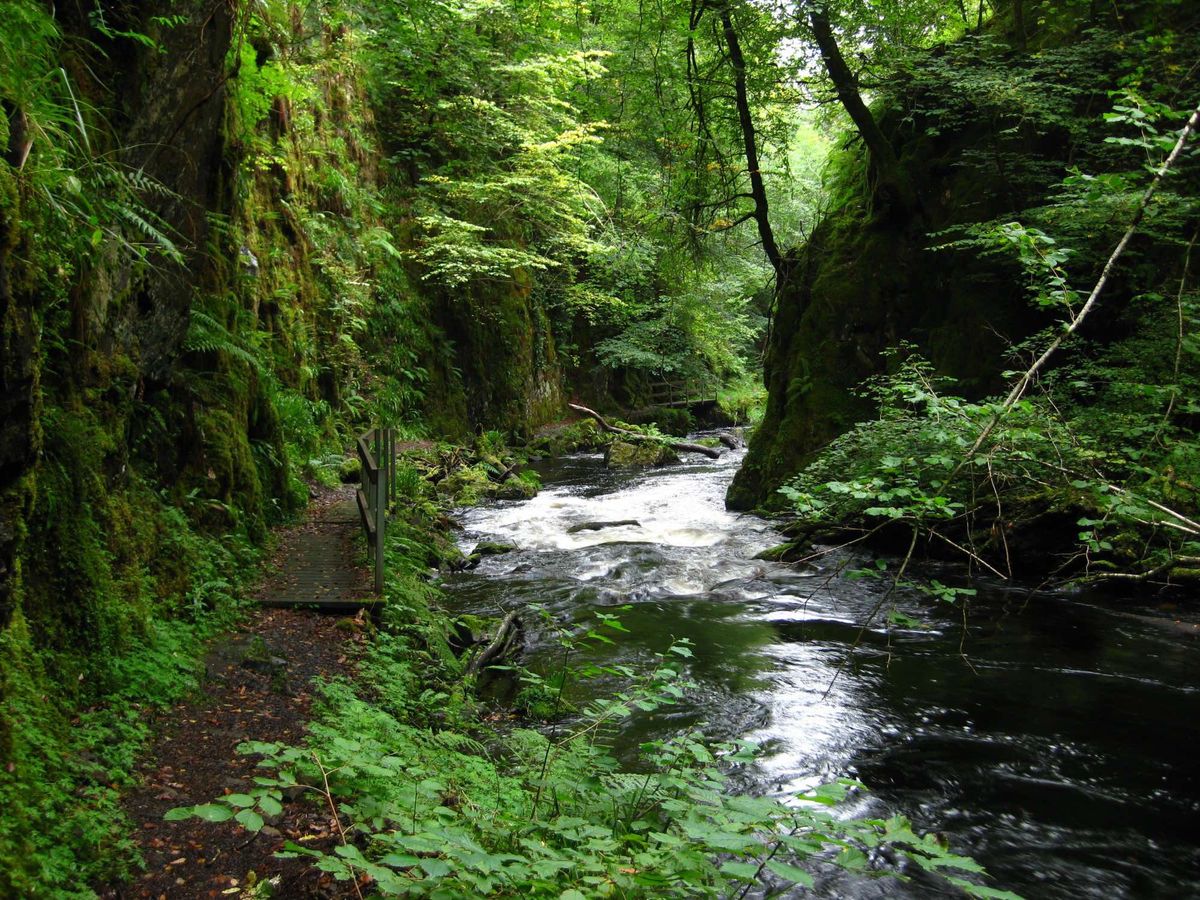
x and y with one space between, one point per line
866 282
857 289
627 455
506 374
126 320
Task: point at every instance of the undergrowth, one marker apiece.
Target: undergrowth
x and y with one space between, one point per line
429 801
63 830
1046 491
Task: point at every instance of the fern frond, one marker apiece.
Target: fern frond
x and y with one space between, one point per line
207 335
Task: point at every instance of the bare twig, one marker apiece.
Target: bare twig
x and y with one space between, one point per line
972 555
1179 336
1018 390
875 611
337 819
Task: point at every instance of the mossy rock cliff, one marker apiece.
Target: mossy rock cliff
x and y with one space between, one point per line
870 279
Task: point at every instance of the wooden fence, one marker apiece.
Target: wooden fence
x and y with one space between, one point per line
683 392
377 489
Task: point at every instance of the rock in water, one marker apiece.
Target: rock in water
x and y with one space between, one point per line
625 455
492 548
597 526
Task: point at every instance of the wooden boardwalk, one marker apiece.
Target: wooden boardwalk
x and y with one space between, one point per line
321 562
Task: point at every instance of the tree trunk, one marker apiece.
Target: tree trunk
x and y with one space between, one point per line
20 142
892 187
758 190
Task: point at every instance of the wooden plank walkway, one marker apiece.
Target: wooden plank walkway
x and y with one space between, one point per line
321 562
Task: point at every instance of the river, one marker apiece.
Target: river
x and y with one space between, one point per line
1056 739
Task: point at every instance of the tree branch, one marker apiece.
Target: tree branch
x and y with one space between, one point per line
710 452
1026 379
750 143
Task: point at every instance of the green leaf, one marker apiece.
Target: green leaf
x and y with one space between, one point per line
270 806
249 819
852 858
791 873
400 860
350 852
435 868
212 812
743 871
981 890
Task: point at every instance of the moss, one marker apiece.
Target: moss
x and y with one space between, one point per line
777 553
349 470
861 286
229 472
622 455
95 566
573 437
516 489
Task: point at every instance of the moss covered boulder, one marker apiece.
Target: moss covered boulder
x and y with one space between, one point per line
557 440
626 455
516 489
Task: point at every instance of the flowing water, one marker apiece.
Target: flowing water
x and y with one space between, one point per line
1056 740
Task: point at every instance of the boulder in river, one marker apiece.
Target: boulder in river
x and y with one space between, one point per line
626 455
599 526
516 489
487 548
492 548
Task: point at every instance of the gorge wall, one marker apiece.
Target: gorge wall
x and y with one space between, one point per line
200 289
986 130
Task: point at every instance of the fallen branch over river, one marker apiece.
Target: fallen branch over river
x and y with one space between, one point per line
635 436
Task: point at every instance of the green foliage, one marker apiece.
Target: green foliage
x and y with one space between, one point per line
83 196
433 812
535 147
899 466
63 824
1099 445
151 486
743 400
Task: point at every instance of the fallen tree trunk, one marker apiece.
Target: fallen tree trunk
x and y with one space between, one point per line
710 452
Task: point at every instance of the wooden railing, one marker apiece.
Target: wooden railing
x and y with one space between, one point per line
680 393
377 461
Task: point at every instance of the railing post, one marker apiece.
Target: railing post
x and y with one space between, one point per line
364 486
391 456
372 496
380 518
